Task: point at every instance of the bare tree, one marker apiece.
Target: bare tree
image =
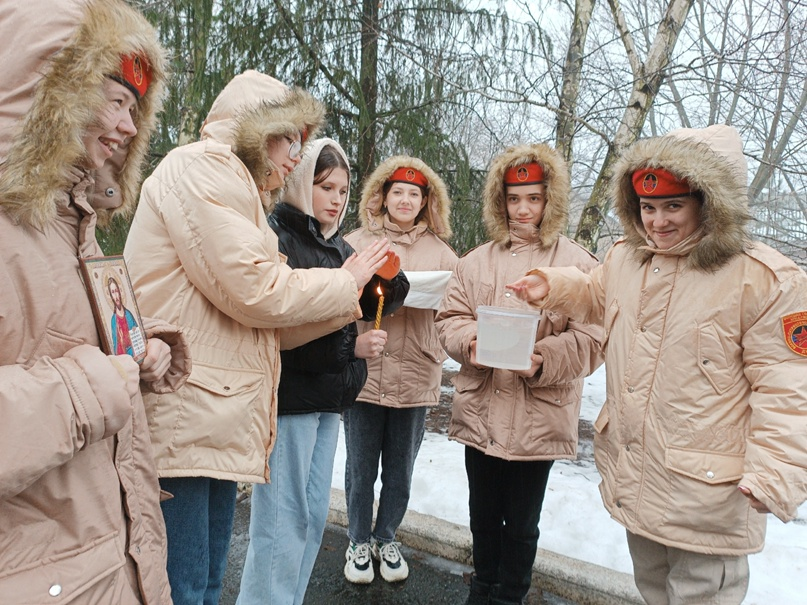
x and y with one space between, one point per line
572 76
648 76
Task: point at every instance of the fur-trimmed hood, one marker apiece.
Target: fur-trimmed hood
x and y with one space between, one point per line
299 190
253 109
711 160
436 213
56 56
556 181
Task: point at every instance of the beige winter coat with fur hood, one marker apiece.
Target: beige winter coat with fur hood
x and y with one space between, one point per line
80 521
409 371
201 255
703 391
495 410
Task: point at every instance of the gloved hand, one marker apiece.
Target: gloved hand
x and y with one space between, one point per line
390 268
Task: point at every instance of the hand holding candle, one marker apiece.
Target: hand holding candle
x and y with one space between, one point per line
378 312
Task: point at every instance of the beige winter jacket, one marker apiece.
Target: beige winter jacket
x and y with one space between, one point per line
495 410
202 256
409 371
80 521
703 391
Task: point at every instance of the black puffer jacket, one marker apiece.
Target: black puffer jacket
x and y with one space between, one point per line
324 375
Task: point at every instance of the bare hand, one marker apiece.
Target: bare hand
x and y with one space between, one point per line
755 504
128 368
370 344
157 360
474 362
364 264
537 362
532 287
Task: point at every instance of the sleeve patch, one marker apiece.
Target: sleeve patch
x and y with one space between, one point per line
795 330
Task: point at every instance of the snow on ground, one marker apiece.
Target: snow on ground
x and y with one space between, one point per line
574 522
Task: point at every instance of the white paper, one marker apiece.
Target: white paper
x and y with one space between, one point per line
426 288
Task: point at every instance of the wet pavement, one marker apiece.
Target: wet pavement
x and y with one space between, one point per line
432 580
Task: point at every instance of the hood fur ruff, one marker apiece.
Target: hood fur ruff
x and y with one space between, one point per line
438 205
253 109
46 145
711 160
556 181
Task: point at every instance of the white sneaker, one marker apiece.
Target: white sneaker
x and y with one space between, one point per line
359 566
393 565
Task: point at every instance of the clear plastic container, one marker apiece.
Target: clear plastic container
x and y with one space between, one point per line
505 338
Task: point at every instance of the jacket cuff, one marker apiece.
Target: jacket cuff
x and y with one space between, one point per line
91 378
180 367
775 507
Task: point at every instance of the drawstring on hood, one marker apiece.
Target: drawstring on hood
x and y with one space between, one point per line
437 213
557 189
711 160
51 95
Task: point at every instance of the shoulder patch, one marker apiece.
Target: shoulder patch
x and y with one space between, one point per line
795 329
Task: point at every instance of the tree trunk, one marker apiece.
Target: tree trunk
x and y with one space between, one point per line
572 72
199 20
368 82
645 88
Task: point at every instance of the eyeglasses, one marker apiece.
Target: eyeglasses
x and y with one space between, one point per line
294 149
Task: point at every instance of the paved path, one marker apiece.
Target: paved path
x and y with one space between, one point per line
432 580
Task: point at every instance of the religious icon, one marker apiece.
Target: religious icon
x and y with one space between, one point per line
114 306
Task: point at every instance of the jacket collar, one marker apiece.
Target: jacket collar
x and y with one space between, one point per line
410 236
682 248
524 234
300 222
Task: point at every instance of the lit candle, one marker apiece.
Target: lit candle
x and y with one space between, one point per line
380 308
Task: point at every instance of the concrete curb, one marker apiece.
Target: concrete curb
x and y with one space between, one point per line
578 581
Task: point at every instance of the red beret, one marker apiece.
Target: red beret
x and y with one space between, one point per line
524 174
135 74
657 182
409 175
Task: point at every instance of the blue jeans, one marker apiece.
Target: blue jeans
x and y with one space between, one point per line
505 500
289 514
199 522
394 435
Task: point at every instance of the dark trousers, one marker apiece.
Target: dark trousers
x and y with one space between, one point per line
393 435
505 502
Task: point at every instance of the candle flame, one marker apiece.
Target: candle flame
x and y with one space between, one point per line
378 289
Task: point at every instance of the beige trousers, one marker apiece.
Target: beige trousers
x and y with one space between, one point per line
666 575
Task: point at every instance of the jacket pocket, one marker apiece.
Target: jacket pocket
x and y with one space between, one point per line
52 344
225 382
708 467
552 421
712 359
469 407
602 447
702 497
556 396
611 315
432 351
602 420
467 383
219 409
63 578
